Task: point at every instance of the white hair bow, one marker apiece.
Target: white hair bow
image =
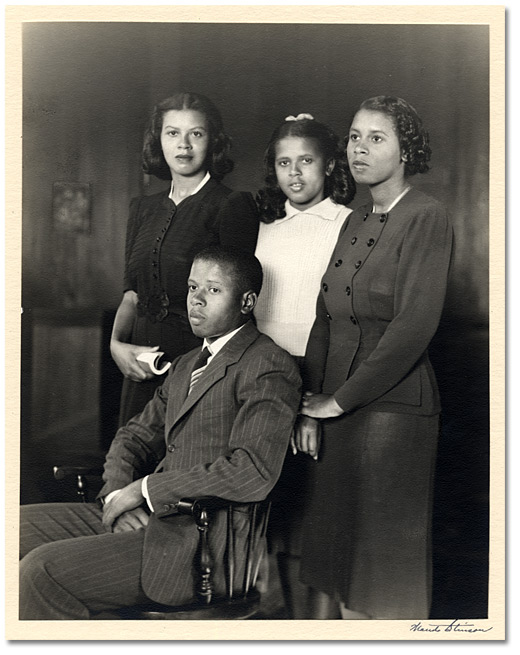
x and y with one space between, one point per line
300 117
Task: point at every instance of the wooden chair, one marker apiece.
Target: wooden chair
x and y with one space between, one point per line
206 604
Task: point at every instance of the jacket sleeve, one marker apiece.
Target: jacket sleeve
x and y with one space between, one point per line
317 349
238 222
420 290
139 445
269 391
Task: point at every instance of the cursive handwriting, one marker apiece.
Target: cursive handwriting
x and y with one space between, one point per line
454 626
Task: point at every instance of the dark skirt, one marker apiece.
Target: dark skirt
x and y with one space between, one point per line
174 337
367 531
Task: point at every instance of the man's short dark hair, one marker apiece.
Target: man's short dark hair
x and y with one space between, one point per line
244 267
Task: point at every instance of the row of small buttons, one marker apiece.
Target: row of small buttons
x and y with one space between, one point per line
158 239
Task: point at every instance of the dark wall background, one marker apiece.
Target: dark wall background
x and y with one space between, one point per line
88 89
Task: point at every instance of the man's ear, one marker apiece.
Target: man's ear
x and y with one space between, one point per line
249 300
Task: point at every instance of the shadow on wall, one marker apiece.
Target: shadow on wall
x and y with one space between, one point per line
459 355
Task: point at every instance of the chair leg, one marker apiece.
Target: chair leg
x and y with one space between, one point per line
261 580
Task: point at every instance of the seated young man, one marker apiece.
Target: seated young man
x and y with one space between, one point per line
223 431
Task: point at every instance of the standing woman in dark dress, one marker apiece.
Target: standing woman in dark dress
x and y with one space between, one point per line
367 535
185 142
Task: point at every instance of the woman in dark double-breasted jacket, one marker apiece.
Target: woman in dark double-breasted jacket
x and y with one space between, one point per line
370 413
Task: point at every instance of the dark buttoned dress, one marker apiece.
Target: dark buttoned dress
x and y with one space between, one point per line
367 532
162 240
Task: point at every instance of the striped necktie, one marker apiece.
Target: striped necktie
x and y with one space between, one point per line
198 367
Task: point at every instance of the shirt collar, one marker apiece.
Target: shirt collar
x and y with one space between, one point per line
219 343
326 209
204 180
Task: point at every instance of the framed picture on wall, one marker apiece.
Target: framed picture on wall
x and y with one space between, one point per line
71 206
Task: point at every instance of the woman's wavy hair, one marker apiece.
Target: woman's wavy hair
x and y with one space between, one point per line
217 160
413 138
339 185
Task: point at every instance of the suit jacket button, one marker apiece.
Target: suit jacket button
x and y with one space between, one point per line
358 264
353 241
325 287
383 218
353 320
171 448
329 317
370 242
338 263
347 291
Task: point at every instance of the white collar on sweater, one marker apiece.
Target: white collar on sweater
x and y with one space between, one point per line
326 209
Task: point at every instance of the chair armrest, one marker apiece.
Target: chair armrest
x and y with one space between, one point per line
61 472
80 473
194 506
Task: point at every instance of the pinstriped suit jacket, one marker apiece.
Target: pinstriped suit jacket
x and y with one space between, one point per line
227 438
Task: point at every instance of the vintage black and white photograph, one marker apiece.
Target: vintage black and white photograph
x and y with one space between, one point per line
255 340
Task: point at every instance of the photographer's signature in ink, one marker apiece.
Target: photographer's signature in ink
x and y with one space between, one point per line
454 626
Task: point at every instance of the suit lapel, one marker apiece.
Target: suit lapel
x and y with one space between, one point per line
216 370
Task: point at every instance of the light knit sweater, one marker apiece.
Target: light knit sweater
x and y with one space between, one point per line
294 252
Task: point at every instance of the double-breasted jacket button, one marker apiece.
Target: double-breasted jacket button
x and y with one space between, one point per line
353 320
329 317
155 251
383 218
370 242
157 238
358 264
325 287
348 291
154 263
338 263
353 241
365 216
171 448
